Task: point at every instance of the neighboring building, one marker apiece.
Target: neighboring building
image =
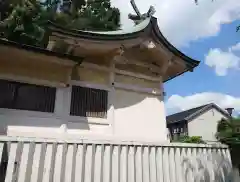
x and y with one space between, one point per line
106 84
200 121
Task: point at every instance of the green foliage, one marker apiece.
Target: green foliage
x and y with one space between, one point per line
193 139
228 131
25 21
93 15
102 16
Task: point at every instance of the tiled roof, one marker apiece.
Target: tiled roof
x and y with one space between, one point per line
191 113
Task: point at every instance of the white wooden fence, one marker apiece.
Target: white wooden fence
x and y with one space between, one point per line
37 160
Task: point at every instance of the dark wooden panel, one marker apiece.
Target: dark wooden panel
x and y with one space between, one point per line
89 102
14 95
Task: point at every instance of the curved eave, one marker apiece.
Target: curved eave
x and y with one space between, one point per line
102 36
181 73
160 38
144 27
148 27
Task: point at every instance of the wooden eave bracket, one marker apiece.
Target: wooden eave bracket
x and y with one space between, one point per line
166 66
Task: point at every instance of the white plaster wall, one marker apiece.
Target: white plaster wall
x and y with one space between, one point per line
136 116
75 126
23 125
31 124
205 125
131 115
139 116
51 125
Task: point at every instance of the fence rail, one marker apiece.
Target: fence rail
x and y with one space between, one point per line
36 160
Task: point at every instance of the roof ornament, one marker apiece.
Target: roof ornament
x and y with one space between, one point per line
138 18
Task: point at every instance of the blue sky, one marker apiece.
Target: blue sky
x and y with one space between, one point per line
206 32
205 76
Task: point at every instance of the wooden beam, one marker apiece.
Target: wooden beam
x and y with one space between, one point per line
95 67
121 72
90 85
170 56
139 63
111 54
148 44
137 75
158 46
137 88
166 66
50 45
112 72
24 79
111 95
70 49
164 51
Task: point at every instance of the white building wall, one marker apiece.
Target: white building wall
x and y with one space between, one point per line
139 116
51 125
13 123
205 125
131 115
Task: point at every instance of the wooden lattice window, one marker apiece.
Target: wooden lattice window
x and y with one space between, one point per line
89 102
22 96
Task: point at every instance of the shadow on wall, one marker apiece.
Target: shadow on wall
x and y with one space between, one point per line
49 122
125 98
49 125
207 168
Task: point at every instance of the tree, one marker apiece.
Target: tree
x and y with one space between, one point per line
25 21
91 15
6 7
228 131
101 15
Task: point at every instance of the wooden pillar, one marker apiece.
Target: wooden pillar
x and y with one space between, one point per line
111 95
